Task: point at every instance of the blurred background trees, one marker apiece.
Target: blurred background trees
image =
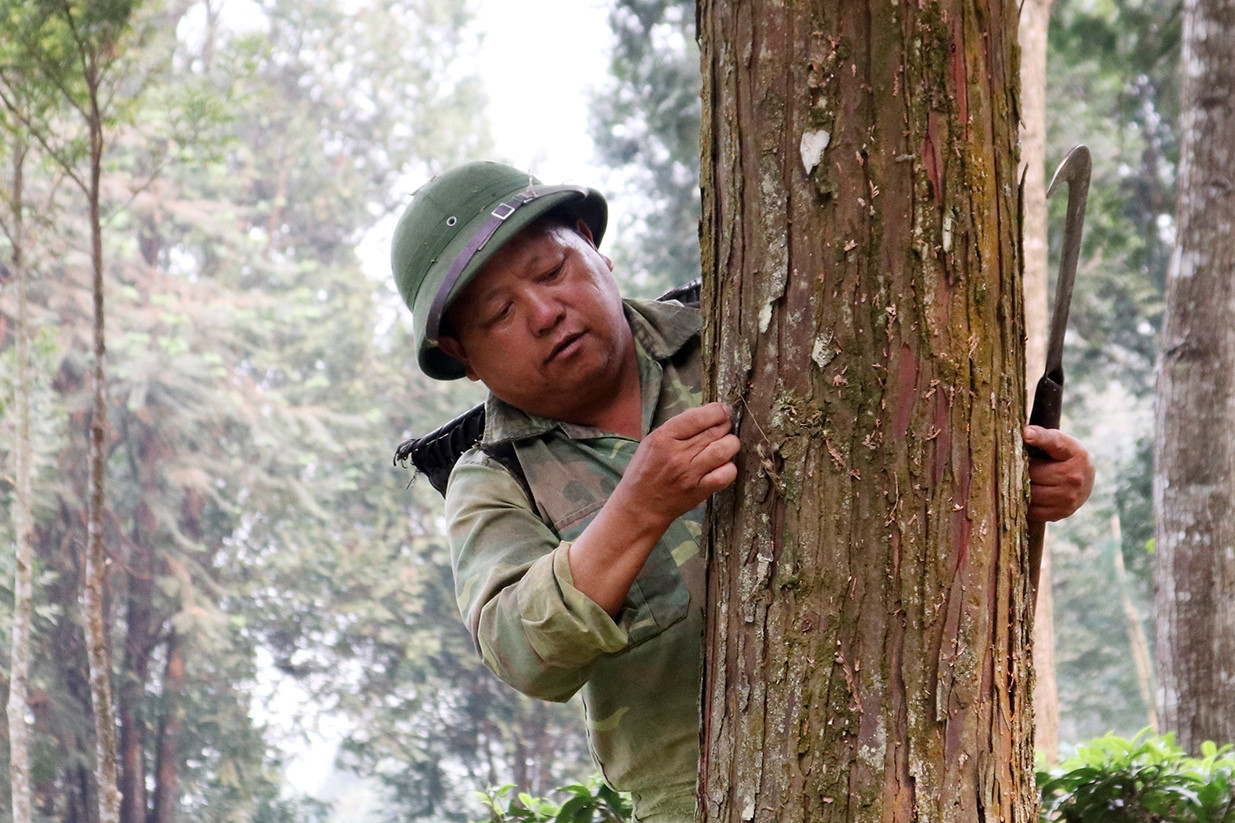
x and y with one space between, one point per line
255 529
1194 491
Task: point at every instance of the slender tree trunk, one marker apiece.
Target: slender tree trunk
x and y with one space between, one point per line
136 675
140 629
93 596
1142 660
543 745
167 766
868 620
1034 23
167 757
23 584
1194 486
519 764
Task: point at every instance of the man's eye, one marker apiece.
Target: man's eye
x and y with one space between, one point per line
499 315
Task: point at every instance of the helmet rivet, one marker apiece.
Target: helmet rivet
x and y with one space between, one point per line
450 221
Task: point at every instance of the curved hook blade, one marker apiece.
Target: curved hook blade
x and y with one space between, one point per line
1074 170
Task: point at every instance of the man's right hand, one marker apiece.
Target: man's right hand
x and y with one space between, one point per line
676 467
680 464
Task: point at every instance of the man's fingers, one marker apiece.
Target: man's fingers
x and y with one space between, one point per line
1050 512
696 421
1052 441
719 477
718 452
1061 484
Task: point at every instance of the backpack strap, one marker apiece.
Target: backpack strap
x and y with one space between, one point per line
434 455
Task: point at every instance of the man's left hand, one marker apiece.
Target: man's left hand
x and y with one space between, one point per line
1057 487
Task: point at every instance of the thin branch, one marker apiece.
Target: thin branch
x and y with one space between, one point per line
83 53
38 134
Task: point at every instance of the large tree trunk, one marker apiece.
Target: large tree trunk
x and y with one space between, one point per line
23 578
868 618
1034 24
1194 486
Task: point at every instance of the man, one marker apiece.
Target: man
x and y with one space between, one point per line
574 524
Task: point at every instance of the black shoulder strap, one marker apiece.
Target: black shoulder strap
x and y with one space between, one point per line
434 455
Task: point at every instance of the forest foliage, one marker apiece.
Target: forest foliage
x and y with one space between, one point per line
257 531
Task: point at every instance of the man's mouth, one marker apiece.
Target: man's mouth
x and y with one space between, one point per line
565 343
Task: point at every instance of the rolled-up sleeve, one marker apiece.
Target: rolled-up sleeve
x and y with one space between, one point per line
534 629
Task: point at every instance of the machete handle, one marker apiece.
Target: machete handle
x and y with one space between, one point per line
1047 408
1037 539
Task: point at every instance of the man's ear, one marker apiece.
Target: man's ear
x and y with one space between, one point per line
585 231
454 348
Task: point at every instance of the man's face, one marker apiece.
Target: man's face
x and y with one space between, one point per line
542 325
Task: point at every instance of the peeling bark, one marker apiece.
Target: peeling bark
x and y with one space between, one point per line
868 636
1194 486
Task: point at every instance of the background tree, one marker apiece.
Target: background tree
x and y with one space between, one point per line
23 579
1194 491
1032 33
868 614
1114 85
73 48
260 532
646 128
23 99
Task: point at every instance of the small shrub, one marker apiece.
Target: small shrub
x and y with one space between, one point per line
591 803
1147 779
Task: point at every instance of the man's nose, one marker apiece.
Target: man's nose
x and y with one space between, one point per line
545 310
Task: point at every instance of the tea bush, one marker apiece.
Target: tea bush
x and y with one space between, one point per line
1143 780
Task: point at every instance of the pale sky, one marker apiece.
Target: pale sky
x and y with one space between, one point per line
539 60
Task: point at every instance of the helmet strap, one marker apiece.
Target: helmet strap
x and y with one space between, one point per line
483 235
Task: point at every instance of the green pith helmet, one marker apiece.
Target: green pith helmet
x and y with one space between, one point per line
454 224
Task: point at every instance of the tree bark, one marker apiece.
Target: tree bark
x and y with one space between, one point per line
1142 660
18 706
1034 24
1194 487
131 693
141 626
95 585
167 764
868 637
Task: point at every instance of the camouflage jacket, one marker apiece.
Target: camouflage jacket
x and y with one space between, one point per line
638 672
